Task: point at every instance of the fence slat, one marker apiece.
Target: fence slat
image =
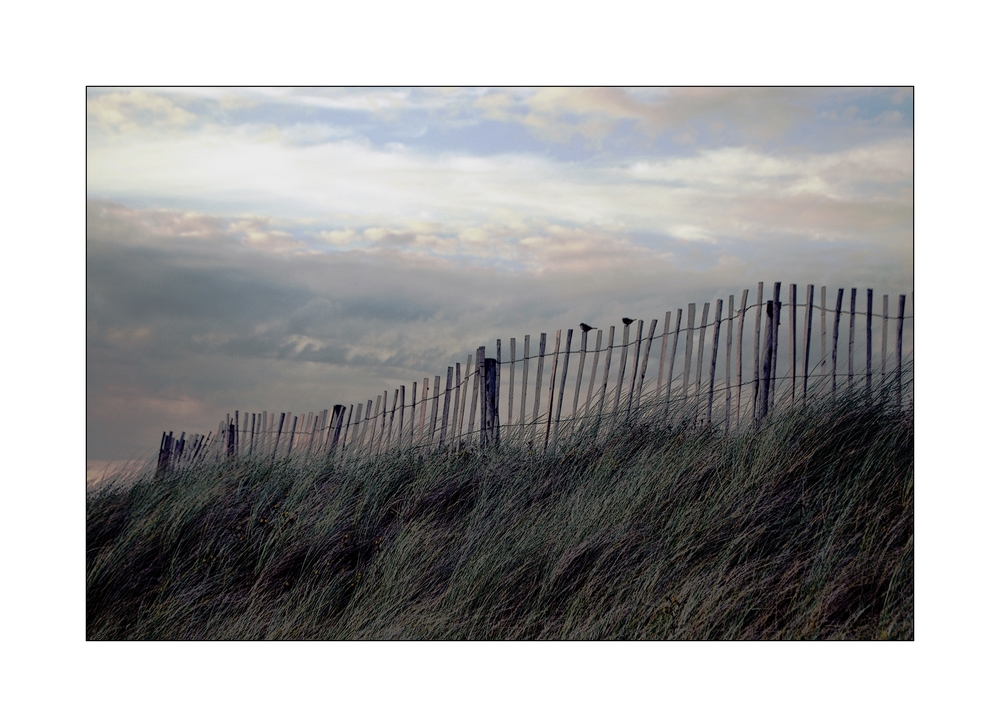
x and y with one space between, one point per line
525 362
836 334
538 388
850 342
645 363
774 342
465 390
670 367
579 376
885 332
792 325
277 439
756 351
552 389
434 410
607 370
422 426
810 291
635 368
593 375
456 409
510 385
739 354
715 355
899 352
291 435
663 354
347 438
476 375
868 346
729 354
562 386
621 374
766 366
447 403
413 415
702 331
822 332
370 439
688 351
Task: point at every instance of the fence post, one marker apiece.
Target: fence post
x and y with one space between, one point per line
163 460
490 401
338 417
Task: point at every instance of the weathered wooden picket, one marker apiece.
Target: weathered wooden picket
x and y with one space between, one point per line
729 403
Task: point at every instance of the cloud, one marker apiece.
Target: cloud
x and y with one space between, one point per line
128 111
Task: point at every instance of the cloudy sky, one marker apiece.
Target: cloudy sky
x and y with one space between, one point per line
289 249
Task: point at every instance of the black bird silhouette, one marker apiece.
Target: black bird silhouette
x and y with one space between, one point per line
585 327
628 321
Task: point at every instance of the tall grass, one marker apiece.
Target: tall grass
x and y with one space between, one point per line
799 528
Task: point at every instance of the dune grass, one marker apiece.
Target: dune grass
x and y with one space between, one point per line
801 528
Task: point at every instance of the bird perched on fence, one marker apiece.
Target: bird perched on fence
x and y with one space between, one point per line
586 328
628 321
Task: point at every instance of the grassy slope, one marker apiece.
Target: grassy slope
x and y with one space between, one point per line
801 529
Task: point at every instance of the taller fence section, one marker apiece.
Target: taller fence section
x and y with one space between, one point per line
728 366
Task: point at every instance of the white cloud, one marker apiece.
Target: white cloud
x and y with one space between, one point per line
124 111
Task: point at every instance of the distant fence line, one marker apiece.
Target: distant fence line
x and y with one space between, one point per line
749 388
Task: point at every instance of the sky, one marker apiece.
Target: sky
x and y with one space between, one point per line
286 249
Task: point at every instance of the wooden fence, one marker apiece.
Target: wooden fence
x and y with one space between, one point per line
715 378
